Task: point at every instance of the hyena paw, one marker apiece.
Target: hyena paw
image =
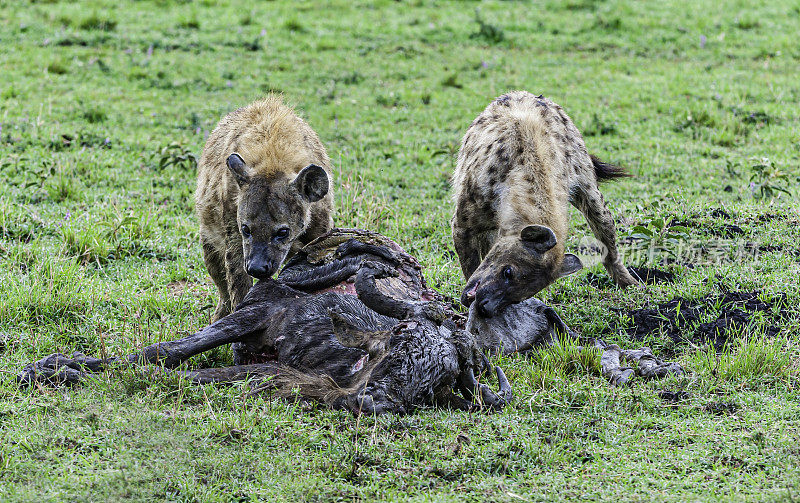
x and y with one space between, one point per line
622 277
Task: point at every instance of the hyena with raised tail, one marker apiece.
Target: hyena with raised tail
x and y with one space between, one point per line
521 163
263 191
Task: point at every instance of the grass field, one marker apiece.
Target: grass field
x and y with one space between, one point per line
105 106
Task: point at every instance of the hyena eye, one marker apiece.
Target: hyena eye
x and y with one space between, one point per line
508 273
282 233
245 231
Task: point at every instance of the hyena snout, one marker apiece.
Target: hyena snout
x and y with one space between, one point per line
491 298
263 261
468 295
495 294
483 291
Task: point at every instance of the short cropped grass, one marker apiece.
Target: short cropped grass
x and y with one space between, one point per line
105 109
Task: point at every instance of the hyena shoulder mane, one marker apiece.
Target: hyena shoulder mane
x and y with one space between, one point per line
273 139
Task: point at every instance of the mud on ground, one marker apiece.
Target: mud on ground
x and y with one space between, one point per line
681 319
648 275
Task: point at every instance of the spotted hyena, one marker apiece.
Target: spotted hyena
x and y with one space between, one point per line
263 191
521 162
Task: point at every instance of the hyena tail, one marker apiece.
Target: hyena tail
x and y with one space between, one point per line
606 171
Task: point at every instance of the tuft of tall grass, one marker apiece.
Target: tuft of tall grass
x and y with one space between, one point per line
754 359
704 122
58 68
63 186
292 24
359 206
556 363
52 292
88 244
97 22
189 23
487 31
93 114
117 236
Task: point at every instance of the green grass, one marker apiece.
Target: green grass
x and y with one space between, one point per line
105 107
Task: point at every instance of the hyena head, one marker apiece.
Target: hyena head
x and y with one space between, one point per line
516 268
273 212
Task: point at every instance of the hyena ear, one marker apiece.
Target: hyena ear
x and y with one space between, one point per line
538 237
236 165
571 265
312 183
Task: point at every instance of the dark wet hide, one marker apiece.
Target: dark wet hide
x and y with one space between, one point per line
682 320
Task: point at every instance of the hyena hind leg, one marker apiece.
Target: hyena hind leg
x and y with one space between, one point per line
590 202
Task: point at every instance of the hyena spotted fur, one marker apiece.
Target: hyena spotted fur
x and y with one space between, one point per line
263 191
522 161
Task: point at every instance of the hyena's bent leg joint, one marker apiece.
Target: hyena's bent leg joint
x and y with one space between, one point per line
590 202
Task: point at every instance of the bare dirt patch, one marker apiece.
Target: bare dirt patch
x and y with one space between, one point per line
651 275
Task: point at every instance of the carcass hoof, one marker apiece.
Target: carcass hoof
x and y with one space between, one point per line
481 396
58 369
372 401
646 365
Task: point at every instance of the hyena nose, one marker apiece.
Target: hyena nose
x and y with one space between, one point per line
260 269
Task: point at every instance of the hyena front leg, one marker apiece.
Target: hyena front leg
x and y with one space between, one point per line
590 202
467 250
239 282
215 263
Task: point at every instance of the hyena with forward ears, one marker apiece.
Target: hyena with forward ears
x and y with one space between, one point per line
263 191
521 163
